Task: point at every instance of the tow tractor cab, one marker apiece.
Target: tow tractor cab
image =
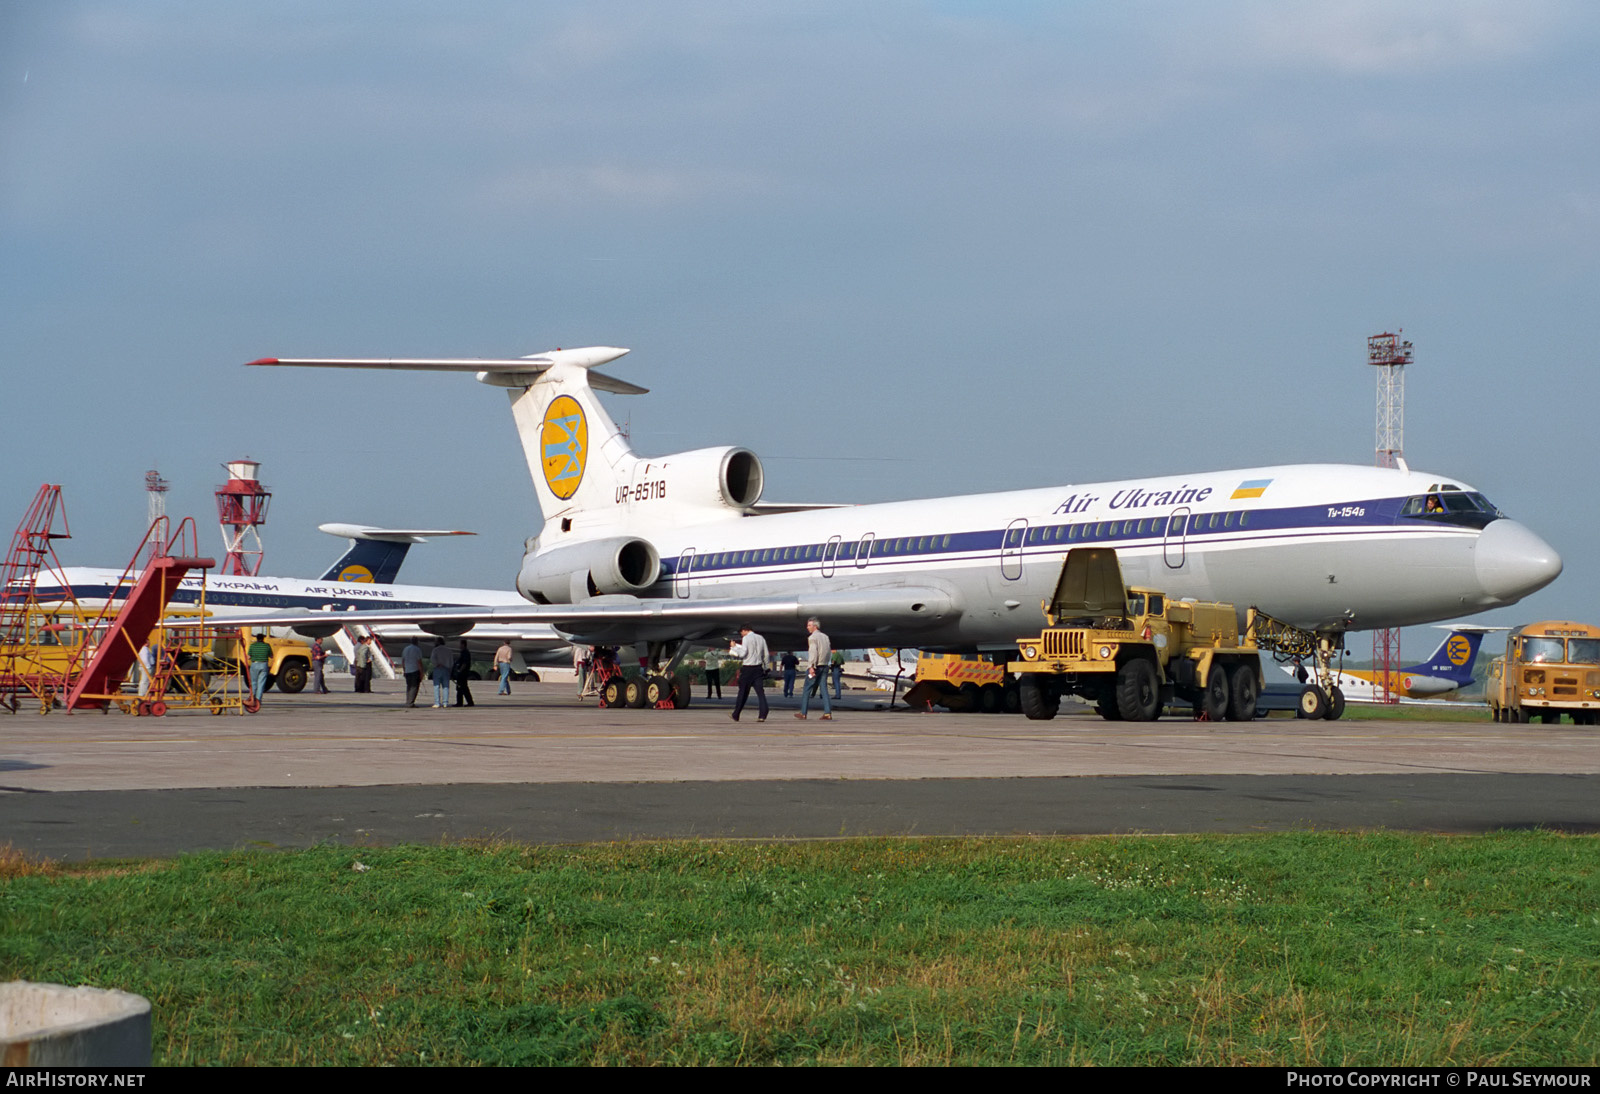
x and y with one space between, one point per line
1130 651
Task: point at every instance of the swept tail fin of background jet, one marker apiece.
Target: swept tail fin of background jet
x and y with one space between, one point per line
375 554
1454 658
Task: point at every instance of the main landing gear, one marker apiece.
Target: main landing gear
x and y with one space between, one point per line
660 686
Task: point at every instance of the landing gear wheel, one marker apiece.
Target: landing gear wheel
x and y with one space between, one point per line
1313 702
611 693
657 690
1138 691
1214 699
1335 705
633 694
682 689
1038 700
1242 698
991 699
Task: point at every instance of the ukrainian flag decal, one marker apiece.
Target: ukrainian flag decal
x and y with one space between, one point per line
1251 488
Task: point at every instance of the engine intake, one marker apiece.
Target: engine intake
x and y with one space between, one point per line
706 478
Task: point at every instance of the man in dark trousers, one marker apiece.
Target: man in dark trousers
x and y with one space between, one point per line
463 675
319 655
411 665
751 649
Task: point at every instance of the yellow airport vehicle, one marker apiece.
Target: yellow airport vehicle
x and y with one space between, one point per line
290 667
1131 651
1549 669
46 649
962 682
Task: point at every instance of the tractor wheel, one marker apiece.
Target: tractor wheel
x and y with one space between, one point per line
1242 699
1138 691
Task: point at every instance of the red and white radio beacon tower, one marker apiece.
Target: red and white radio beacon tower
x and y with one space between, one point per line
242 510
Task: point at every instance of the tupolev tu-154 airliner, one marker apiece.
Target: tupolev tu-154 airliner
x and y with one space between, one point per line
664 552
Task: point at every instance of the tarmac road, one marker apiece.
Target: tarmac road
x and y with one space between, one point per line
538 766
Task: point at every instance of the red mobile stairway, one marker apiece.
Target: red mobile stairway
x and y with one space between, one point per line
100 680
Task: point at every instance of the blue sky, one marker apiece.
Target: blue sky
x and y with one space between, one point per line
898 249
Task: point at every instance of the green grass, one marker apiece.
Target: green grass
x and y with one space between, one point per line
1304 948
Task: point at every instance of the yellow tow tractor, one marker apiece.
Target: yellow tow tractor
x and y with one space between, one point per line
963 682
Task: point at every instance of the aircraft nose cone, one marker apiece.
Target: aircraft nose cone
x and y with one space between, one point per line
1512 562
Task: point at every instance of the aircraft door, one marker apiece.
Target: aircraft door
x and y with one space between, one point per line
1173 547
1011 542
680 582
863 549
830 554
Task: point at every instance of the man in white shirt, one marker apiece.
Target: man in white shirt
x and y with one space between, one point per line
751 649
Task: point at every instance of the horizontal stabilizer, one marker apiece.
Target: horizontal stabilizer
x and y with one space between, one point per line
522 368
388 535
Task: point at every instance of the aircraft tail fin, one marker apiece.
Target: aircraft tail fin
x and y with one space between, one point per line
375 554
1454 658
577 456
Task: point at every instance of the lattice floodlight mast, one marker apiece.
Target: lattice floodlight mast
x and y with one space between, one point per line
156 486
1390 356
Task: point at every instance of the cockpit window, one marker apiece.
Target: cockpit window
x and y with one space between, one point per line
1459 507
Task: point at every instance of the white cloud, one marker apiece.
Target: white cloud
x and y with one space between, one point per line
1381 36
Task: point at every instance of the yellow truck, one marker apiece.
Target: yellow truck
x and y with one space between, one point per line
1131 651
289 670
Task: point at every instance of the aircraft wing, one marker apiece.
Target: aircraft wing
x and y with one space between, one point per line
625 620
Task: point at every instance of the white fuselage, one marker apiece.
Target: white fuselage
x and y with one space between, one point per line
1320 546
